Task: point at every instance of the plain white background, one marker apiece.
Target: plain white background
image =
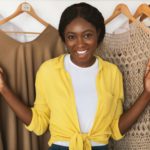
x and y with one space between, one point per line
50 11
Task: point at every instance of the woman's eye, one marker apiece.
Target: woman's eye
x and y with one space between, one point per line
88 36
70 37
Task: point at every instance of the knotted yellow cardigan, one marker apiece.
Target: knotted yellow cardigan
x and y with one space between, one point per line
55 106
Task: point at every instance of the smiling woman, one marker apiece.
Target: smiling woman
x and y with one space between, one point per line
79 96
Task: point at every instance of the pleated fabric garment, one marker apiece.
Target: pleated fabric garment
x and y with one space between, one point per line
20 62
130 51
1 143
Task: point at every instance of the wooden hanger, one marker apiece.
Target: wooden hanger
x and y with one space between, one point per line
121 9
144 16
24 7
143 9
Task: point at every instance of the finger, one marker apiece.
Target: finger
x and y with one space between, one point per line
1 70
147 72
147 68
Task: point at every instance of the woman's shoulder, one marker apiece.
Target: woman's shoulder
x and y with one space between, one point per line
108 67
106 64
51 65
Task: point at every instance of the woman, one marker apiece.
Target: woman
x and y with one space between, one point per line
78 95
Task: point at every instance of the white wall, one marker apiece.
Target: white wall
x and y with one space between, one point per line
50 11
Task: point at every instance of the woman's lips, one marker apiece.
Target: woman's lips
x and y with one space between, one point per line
82 52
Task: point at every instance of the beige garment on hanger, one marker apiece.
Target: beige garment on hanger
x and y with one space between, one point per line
20 61
1 143
130 51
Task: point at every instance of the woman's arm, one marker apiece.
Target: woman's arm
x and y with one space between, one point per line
22 111
129 117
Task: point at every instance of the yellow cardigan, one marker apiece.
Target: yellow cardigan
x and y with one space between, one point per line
55 105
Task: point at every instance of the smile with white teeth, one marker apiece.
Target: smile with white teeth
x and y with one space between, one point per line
82 52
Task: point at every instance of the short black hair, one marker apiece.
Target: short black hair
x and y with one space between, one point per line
85 11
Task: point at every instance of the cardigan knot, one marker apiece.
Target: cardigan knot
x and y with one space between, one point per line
80 141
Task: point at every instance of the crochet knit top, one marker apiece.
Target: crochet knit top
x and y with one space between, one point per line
130 51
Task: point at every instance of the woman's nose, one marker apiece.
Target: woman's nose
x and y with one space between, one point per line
80 42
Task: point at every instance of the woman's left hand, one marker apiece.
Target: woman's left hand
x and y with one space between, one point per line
147 78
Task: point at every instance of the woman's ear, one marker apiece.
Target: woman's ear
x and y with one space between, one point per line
98 33
98 36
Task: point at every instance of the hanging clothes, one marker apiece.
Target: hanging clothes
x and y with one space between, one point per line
20 61
1 143
130 51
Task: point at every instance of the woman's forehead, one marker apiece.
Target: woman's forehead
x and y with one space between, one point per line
79 25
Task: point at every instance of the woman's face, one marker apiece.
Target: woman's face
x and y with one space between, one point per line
81 40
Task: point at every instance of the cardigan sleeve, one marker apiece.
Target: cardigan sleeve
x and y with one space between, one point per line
119 98
40 110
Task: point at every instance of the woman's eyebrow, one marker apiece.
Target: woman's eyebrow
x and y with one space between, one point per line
88 30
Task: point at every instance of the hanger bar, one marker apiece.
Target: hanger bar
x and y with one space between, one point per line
17 32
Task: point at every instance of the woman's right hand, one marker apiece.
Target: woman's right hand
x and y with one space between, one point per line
2 80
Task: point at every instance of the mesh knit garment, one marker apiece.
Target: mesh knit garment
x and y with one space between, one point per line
130 51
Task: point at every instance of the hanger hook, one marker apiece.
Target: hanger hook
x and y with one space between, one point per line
26 6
